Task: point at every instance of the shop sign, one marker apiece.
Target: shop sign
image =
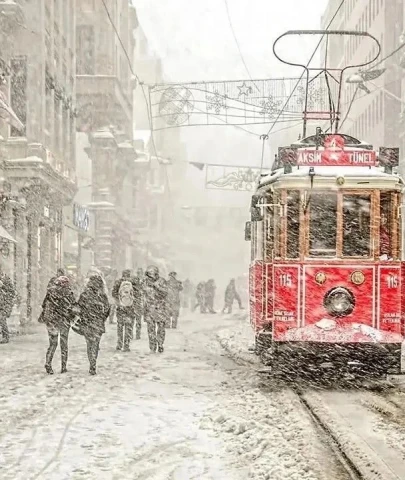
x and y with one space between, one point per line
81 217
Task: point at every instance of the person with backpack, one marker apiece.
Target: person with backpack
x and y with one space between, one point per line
58 312
209 295
127 297
155 299
200 297
173 297
94 310
230 296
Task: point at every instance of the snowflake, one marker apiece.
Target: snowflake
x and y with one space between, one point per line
216 102
316 97
270 107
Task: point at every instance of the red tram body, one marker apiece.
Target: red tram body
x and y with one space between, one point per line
326 273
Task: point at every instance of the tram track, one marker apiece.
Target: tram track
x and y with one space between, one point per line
336 447
357 456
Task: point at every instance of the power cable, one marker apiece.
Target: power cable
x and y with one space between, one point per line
354 99
237 43
303 73
388 56
350 106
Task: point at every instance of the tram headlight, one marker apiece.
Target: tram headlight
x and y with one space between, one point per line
339 302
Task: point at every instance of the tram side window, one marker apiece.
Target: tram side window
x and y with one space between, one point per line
386 226
257 243
277 227
323 224
356 225
269 238
293 224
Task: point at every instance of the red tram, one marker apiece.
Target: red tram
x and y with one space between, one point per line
326 275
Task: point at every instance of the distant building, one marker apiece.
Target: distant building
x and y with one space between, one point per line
373 116
105 112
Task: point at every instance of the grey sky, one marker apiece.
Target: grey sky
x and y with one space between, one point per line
195 42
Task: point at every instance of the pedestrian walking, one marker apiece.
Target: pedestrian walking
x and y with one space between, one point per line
186 294
173 296
57 314
110 276
230 296
60 272
200 297
126 294
94 271
7 299
155 296
94 308
140 306
210 288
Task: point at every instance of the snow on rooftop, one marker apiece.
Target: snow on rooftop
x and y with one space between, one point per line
327 171
103 134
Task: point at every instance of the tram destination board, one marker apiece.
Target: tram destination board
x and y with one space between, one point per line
333 152
328 157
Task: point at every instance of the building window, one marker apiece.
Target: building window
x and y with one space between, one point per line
85 50
18 92
57 122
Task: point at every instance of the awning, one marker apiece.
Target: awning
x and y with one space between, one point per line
4 234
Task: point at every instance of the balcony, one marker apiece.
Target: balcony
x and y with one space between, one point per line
25 161
101 101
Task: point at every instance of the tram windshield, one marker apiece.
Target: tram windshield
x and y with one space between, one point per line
323 225
356 225
330 224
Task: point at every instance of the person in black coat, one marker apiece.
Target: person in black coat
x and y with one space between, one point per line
94 310
127 314
58 314
7 299
60 272
173 298
230 296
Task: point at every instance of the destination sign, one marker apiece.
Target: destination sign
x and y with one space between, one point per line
329 157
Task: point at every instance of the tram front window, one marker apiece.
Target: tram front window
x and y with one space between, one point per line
356 225
323 225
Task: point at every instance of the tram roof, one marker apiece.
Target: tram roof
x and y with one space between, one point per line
353 176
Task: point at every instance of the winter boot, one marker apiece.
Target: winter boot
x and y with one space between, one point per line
48 369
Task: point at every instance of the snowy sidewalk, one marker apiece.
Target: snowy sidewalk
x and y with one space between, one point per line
137 419
190 413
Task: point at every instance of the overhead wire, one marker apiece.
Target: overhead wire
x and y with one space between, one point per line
147 103
354 99
303 73
396 50
237 43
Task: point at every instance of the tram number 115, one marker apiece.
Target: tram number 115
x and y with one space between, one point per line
392 281
285 280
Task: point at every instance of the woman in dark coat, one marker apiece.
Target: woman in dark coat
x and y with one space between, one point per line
58 314
94 311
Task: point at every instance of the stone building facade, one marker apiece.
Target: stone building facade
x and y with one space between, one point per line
373 116
105 113
38 161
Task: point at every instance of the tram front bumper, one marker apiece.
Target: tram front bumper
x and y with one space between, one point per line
381 357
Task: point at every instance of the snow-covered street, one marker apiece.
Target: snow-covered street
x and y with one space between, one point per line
199 411
138 418
189 413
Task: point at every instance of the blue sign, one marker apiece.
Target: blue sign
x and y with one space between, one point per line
81 217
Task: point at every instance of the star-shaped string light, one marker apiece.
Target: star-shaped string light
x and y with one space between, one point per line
244 89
